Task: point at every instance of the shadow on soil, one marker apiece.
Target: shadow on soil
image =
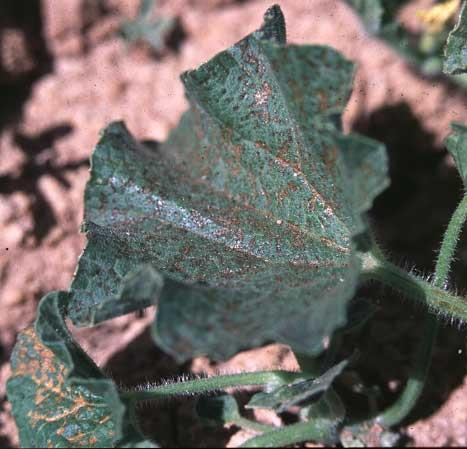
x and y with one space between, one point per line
37 164
409 219
423 195
24 56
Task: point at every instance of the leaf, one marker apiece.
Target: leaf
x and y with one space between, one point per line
289 395
424 49
456 143
246 214
144 28
455 56
370 12
330 412
145 8
222 409
59 396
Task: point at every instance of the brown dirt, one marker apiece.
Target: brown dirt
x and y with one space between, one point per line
96 78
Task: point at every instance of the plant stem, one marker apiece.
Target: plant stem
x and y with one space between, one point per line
437 300
448 247
416 382
316 430
271 379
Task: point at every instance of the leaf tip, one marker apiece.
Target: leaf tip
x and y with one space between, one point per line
273 28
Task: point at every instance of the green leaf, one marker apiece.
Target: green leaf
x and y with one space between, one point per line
456 143
329 411
455 56
246 214
222 409
145 8
59 396
370 12
377 14
144 28
289 395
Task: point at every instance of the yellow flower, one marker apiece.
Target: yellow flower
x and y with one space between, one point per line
435 18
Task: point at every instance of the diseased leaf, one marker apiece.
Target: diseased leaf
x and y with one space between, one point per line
456 143
455 57
59 396
289 395
246 214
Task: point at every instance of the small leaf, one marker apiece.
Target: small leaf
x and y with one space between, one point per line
248 212
145 8
289 395
143 28
455 56
59 396
222 409
456 143
370 12
330 412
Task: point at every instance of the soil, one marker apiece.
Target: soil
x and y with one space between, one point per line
65 74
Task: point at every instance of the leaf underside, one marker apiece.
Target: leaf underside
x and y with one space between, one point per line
240 226
455 60
59 397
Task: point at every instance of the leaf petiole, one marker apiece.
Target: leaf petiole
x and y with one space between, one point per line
438 301
268 379
415 384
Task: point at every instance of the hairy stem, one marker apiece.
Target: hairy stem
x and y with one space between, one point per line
416 382
438 301
270 379
448 247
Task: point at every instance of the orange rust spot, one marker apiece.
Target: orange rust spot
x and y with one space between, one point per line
80 403
286 191
332 244
312 203
283 152
35 361
323 100
262 145
262 96
80 439
43 369
330 157
104 419
237 152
